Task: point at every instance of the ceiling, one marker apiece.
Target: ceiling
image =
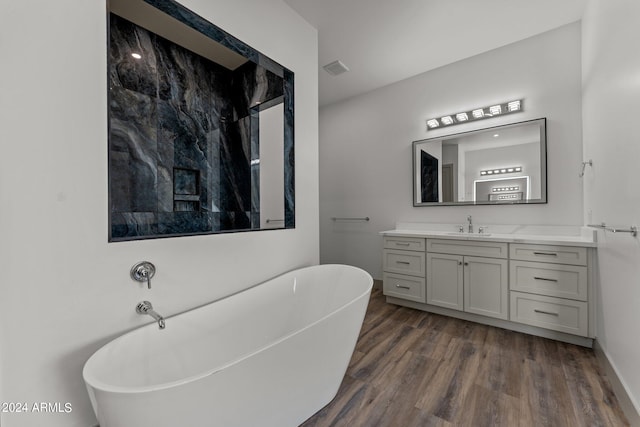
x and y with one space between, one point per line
384 41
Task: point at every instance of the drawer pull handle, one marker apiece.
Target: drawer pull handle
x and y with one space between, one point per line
403 262
546 312
545 279
402 244
403 287
546 253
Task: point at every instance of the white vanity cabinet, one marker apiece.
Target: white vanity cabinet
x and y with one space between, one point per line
459 280
549 287
537 284
404 268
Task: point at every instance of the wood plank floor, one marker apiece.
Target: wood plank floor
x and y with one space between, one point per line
416 369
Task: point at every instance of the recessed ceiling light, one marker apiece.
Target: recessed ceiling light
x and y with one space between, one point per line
136 55
495 135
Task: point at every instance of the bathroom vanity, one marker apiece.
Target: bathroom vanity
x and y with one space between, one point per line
532 279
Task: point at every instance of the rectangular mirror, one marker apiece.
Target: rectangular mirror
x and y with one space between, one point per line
200 127
492 166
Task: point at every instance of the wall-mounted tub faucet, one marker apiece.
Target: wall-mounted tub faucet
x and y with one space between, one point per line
470 224
145 307
143 272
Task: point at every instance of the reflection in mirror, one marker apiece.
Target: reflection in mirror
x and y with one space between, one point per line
499 165
200 127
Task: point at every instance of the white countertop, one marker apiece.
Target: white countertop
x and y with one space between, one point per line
542 235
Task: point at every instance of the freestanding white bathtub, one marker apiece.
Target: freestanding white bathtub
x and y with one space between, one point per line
271 355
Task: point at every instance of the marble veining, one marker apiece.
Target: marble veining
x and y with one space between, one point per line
289 152
180 123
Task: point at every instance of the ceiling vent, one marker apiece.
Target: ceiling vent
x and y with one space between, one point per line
335 68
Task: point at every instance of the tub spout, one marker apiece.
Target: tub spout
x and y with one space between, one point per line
145 307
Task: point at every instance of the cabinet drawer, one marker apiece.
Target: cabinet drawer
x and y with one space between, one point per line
403 262
404 243
552 254
551 313
564 281
406 287
465 247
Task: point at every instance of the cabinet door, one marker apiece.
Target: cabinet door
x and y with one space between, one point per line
486 290
445 280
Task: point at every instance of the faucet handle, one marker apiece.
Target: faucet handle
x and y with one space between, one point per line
143 272
143 307
461 229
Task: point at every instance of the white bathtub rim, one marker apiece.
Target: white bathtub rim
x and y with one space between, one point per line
109 388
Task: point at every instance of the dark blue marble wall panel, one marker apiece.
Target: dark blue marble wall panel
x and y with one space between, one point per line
252 86
254 123
138 75
133 152
235 170
289 153
184 130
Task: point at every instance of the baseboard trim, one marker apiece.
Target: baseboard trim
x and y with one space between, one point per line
377 284
629 409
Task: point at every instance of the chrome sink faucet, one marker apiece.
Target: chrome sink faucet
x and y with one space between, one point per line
470 224
145 307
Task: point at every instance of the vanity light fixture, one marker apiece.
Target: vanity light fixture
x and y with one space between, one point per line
433 123
513 106
447 120
501 189
511 169
476 114
508 197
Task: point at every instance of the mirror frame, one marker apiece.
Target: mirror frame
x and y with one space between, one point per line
543 167
190 19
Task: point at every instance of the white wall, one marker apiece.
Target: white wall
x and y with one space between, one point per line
611 97
365 142
65 291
